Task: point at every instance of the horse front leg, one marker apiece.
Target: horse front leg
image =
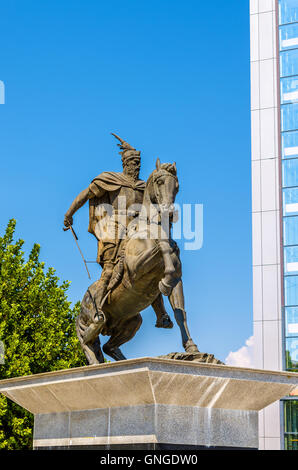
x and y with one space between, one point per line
176 299
162 318
169 280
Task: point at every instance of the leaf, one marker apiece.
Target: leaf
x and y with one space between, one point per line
37 328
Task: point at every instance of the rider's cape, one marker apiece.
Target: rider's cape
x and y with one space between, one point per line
108 181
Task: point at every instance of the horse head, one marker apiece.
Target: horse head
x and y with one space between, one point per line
163 186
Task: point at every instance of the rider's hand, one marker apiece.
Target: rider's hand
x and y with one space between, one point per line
68 220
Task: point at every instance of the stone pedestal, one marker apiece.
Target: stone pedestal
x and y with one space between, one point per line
148 403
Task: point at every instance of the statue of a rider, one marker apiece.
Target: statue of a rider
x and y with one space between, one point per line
113 190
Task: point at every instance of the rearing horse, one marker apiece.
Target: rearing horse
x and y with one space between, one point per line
149 265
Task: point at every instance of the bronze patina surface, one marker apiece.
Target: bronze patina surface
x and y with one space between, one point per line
137 268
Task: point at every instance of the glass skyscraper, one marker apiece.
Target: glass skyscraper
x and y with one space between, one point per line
288 75
274 121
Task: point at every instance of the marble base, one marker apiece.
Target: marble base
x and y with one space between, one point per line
147 425
148 403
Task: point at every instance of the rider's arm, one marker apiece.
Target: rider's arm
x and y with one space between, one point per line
78 202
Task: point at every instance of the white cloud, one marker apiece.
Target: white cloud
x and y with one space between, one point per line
243 357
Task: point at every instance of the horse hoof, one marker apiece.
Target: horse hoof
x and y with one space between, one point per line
191 347
115 353
164 289
164 322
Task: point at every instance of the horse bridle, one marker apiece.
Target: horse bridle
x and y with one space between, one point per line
156 177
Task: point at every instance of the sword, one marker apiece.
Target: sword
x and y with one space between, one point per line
76 240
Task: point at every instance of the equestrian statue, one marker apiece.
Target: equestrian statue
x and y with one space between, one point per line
140 261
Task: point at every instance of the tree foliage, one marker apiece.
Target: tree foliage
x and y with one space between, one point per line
37 329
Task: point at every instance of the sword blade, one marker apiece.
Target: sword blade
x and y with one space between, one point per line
76 240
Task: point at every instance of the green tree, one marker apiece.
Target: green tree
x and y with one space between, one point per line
37 329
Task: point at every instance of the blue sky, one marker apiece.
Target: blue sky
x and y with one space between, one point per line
171 78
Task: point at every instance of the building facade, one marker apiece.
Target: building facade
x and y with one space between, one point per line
274 132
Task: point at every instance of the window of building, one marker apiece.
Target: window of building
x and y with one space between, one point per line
291 260
290 144
289 117
291 318
290 172
291 424
288 11
289 63
290 225
288 36
292 354
289 90
291 290
290 201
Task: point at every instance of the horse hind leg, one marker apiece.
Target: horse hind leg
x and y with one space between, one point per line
93 352
88 327
126 331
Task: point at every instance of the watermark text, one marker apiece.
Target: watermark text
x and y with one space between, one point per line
2 92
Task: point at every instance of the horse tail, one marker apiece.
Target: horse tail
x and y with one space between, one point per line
92 350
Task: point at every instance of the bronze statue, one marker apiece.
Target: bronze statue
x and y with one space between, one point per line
137 268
